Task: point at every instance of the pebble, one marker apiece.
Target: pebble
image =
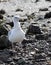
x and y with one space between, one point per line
33 30
44 9
4 42
47 15
2 11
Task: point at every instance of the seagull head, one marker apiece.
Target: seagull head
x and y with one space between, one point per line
16 18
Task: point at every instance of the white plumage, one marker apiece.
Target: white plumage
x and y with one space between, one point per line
16 34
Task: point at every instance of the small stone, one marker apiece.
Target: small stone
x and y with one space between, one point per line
4 42
49 54
2 11
9 60
48 0
21 61
1 16
16 59
12 63
10 23
32 53
39 58
19 10
43 25
41 37
36 1
3 31
48 22
22 20
33 30
27 41
31 16
47 15
1 62
12 52
44 9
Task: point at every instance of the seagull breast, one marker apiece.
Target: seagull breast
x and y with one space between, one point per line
16 35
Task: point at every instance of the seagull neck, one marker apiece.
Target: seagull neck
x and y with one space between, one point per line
17 25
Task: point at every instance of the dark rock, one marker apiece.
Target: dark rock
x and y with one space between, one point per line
9 15
9 60
2 11
40 50
21 61
22 20
40 18
12 63
41 37
19 10
49 54
27 41
39 57
48 21
44 9
43 25
3 31
47 15
36 1
4 55
12 52
4 42
1 16
31 16
48 0
1 62
33 30
10 23
50 6
16 59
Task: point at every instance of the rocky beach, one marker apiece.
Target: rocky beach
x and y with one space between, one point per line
36 23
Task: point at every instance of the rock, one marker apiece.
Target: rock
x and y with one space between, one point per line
49 54
2 11
47 15
4 55
9 60
48 21
44 25
39 57
31 16
21 61
4 42
40 18
33 30
41 50
50 6
41 37
36 1
22 20
19 10
12 52
3 31
12 63
16 59
10 23
44 9
1 16
48 0
1 62
27 41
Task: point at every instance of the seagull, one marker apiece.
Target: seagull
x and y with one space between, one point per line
16 34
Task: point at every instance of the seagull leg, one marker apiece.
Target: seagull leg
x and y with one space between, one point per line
13 46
